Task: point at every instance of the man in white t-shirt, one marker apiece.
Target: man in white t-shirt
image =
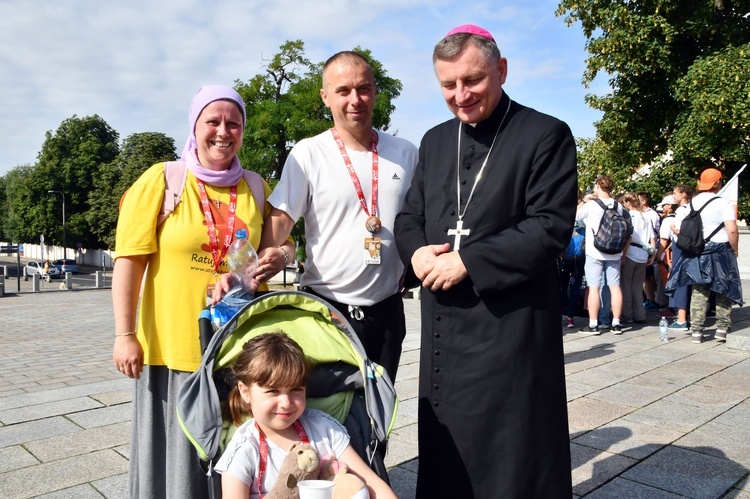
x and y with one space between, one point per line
598 263
720 253
348 183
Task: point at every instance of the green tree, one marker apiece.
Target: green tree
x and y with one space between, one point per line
70 161
138 152
678 74
16 193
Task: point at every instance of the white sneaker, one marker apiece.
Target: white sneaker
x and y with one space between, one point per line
721 334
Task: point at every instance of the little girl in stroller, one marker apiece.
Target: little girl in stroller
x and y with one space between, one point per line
271 374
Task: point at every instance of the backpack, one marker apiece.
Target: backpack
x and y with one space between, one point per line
576 247
690 239
614 230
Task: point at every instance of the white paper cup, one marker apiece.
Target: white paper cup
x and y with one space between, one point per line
315 489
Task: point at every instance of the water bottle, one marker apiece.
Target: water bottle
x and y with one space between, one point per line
242 260
663 336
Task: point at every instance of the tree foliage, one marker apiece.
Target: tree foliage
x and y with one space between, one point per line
138 152
284 106
678 77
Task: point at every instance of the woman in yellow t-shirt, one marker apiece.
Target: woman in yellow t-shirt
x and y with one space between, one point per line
179 257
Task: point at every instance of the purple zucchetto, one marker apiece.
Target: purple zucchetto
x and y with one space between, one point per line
471 29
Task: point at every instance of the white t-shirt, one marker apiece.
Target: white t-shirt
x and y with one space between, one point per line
590 214
715 213
642 234
653 217
665 228
241 457
316 185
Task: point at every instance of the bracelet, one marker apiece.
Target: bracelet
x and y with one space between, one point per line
286 255
132 333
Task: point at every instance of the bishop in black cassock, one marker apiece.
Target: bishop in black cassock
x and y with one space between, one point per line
492 404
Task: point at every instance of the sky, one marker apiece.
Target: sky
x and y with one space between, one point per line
137 63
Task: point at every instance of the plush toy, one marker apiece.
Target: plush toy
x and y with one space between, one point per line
346 485
301 463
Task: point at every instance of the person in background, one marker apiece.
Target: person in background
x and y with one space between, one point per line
488 213
680 299
649 283
600 264
637 257
348 183
571 278
715 269
160 347
666 209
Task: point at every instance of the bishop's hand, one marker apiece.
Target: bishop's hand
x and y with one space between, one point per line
447 271
423 260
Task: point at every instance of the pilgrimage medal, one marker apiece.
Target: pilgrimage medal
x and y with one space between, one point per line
372 244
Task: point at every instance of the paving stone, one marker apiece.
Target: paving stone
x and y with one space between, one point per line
34 430
16 457
409 371
82 442
736 416
407 389
114 487
592 467
629 438
403 482
41 411
586 414
400 449
407 413
620 487
673 415
59 475
700 395
738 381
578 390
79 492
684 471
716 439
631 394
103 417
70 392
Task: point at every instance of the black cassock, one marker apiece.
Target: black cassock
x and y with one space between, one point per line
492 406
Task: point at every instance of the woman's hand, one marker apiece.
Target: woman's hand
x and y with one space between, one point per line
128 356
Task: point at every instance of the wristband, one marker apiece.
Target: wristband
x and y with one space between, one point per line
286 255
131 333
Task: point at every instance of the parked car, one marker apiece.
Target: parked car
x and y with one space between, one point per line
66 265
37 267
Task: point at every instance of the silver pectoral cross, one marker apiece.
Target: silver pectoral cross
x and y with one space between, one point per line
457 233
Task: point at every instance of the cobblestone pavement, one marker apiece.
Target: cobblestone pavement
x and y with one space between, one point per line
647 419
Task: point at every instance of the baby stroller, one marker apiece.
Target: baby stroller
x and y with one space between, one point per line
344 382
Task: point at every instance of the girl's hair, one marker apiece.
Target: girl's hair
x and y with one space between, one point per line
686 190
632 199
270 360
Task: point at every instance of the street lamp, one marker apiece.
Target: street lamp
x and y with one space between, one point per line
65 243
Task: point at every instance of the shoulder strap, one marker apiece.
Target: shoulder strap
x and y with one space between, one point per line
175 176
255 182
698 212
601 203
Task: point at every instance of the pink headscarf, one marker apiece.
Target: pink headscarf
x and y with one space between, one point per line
202 98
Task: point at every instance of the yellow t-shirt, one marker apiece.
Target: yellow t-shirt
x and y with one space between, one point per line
180 265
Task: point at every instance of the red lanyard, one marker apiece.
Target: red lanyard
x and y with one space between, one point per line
353 174
263 464
213 240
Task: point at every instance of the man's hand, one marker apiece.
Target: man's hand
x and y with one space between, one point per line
423 260
447 271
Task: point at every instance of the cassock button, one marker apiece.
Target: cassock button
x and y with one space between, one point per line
437 335
463 182
437 369
438 318
468 167
436 404
446 229
437 352
453 213
436 387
